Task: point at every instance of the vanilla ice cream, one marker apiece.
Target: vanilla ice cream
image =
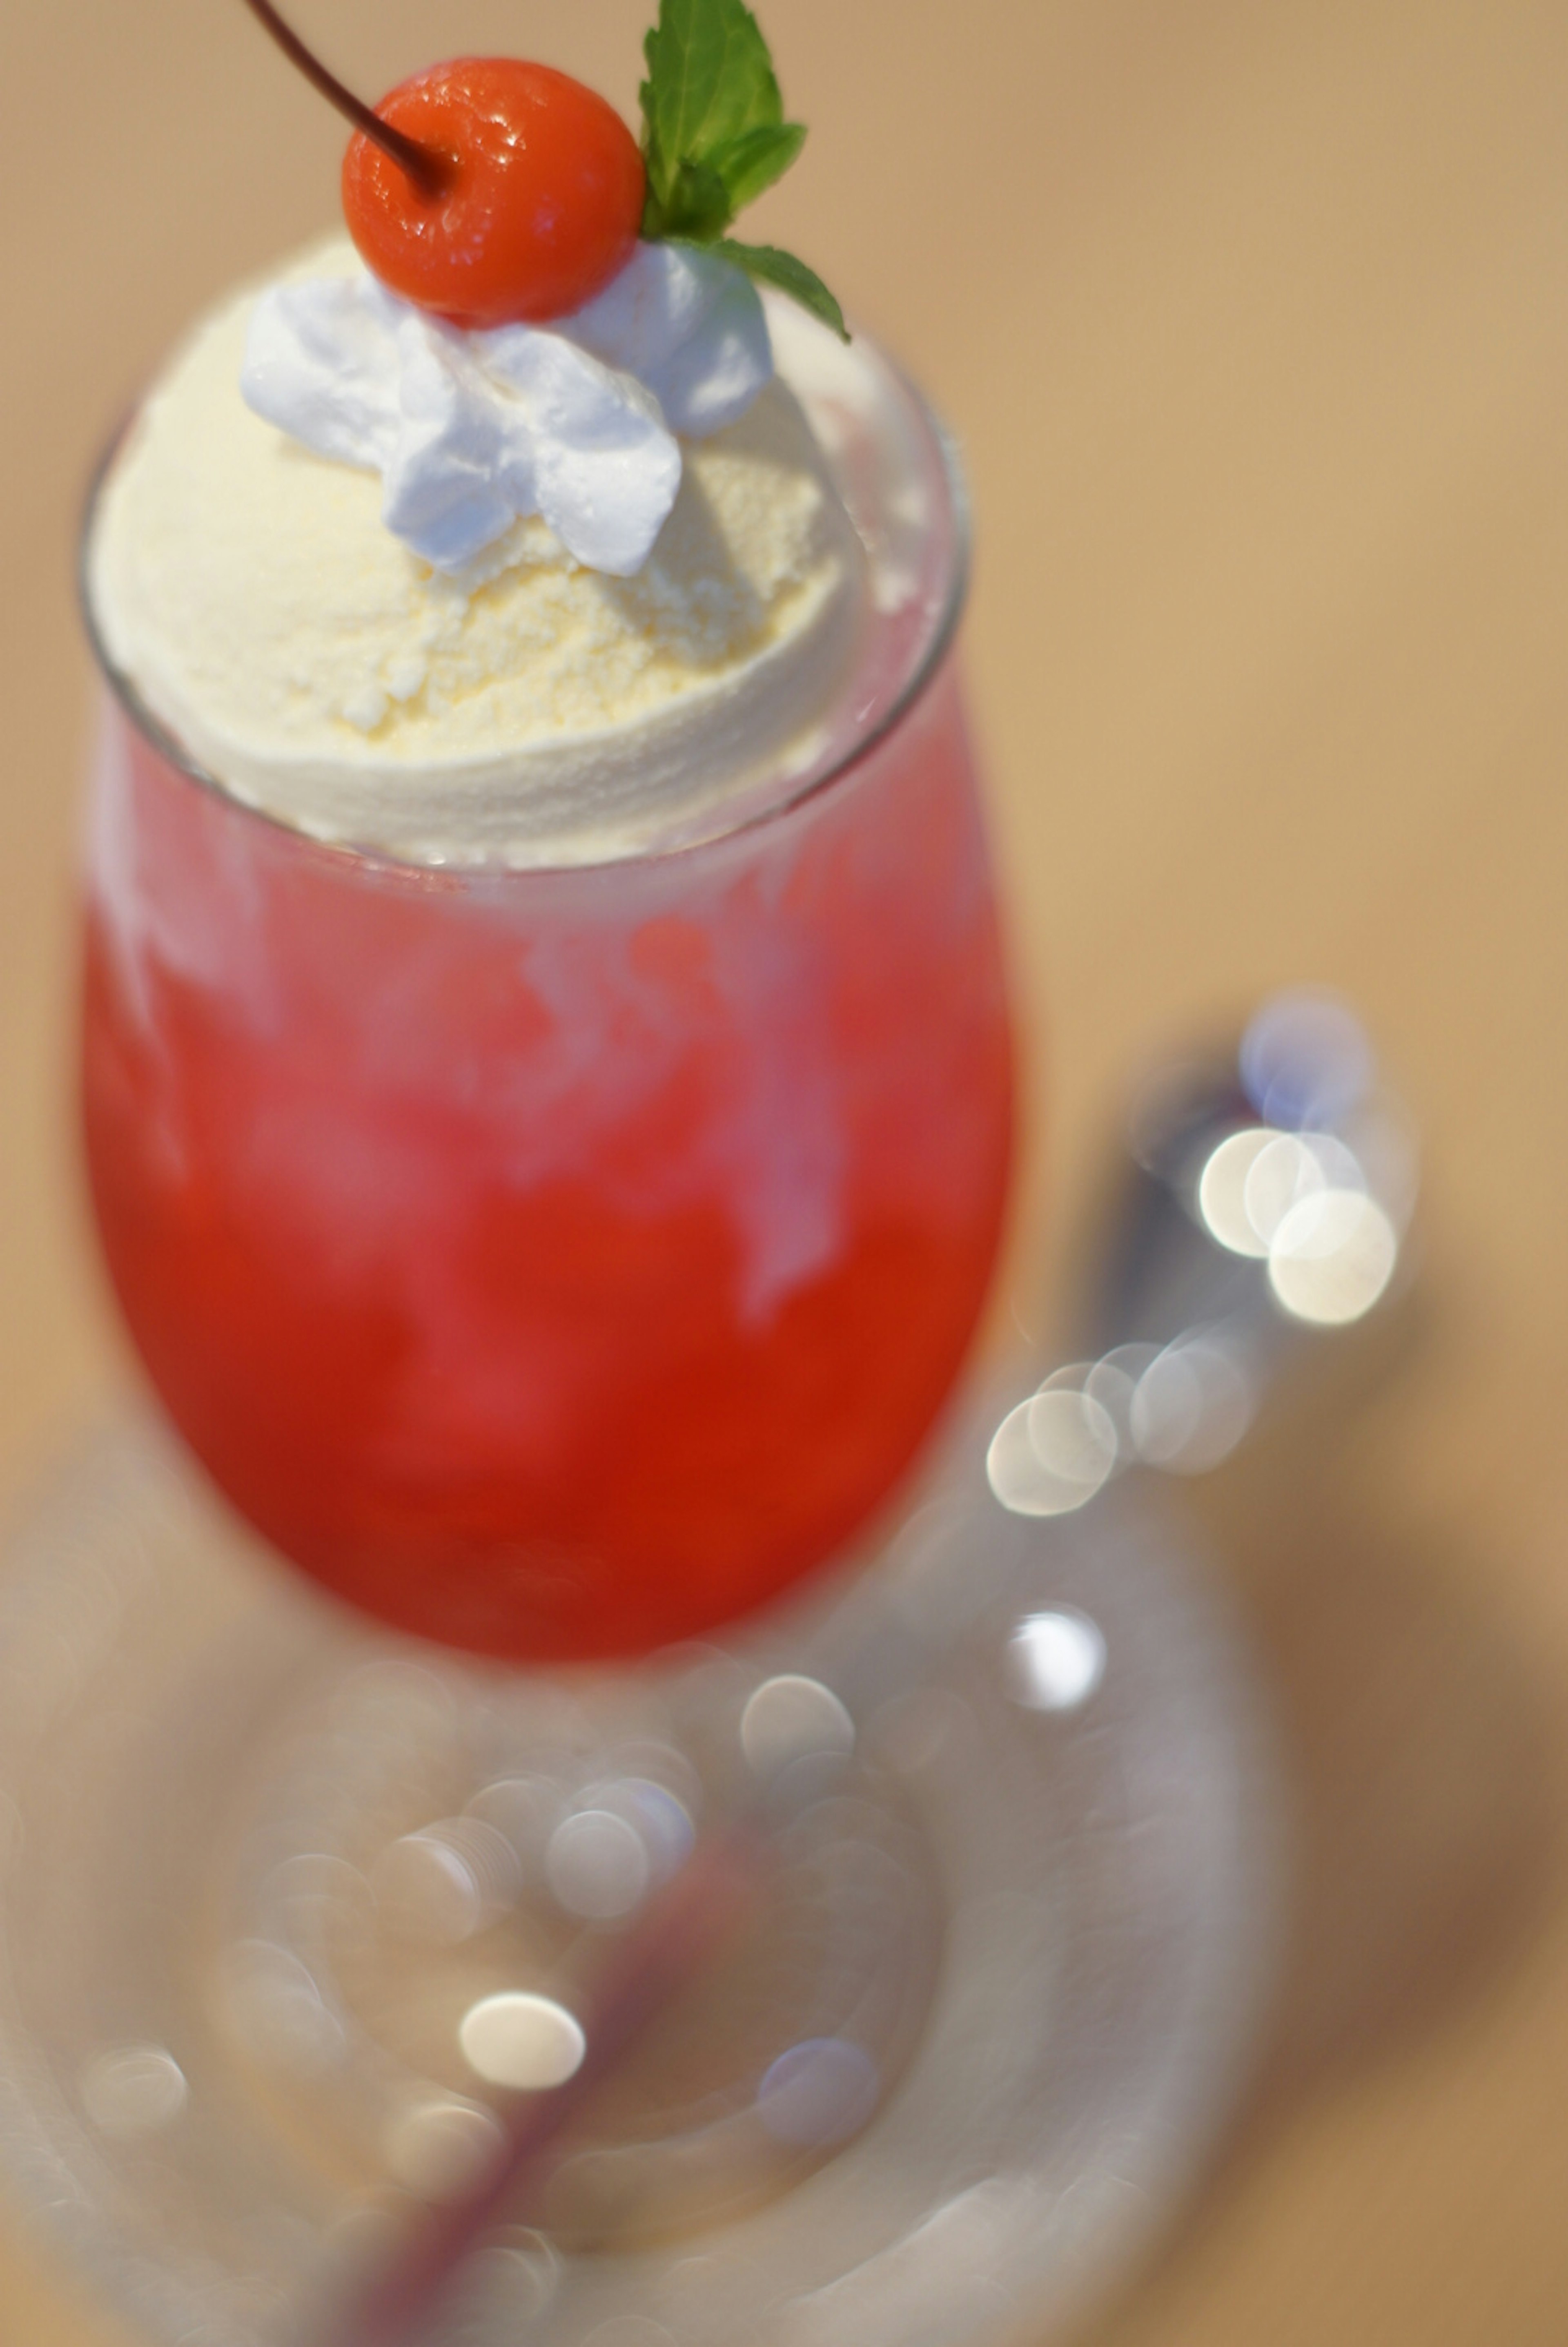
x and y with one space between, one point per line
523 709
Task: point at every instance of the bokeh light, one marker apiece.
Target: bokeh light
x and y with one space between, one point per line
1304 1059
791 1718
1332 1257
821 2092
521 2040
1056 1660
1052 1452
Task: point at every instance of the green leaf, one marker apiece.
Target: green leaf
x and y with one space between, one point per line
790 276
752 162
696 207
710 80
715 136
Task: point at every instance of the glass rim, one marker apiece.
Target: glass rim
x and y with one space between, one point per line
924 669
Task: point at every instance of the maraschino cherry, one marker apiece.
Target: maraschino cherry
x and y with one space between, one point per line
542 208
486 190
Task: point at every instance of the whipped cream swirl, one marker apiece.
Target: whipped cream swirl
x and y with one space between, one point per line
579 421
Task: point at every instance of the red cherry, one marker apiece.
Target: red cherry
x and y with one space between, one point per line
542 203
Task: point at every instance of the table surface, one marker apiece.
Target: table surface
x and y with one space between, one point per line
1255 326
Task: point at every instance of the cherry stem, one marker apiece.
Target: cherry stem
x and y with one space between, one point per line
431 173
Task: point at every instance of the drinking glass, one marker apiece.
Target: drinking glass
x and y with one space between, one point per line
560 1265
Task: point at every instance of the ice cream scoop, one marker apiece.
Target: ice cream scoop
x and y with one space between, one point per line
522 707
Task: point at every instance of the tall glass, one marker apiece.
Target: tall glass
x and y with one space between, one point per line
558 1262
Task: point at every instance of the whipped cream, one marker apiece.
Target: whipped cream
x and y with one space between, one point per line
519 708
576 421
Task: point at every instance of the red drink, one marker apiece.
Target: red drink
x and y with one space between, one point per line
559 1262
553 1263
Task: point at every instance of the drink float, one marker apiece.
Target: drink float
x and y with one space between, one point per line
547 1077
547 1088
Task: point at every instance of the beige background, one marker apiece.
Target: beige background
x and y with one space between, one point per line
1255 323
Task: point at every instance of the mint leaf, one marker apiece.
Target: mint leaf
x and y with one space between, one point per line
710 80
697 207
715 136
752 162
790 276
700 200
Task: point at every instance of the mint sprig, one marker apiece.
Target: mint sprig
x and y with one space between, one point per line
715 136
